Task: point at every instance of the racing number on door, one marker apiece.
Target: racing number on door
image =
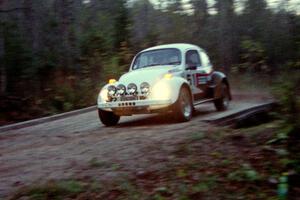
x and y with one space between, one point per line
193 61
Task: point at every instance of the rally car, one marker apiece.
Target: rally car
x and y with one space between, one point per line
167 78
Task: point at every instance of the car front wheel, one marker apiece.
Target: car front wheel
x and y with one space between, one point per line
108 118
183 106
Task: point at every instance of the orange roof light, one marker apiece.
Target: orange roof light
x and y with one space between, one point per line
112 81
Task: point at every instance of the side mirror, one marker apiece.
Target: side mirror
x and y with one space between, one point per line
191 67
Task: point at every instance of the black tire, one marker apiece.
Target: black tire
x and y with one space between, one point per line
183 107
223 102
108 118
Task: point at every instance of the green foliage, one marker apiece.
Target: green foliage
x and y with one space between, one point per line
158 197
245 173
121 23
130 190
207 183
92 44
181 173
95 163
197 136
253 57
288 93
64 98
115 167
111 69
201 187
54 190
226 162
18 58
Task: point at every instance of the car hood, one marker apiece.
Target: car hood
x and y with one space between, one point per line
150 75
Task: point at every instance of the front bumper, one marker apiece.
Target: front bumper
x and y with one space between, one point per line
135 107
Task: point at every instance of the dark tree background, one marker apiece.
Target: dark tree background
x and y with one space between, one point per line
55 54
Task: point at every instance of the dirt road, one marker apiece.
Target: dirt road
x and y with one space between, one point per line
65 148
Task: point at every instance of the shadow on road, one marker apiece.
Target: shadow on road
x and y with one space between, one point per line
160 119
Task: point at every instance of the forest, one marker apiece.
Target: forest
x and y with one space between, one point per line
55 55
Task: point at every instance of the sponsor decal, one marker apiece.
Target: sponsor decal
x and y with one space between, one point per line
201 78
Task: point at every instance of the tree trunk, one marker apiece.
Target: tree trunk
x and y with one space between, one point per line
200 16
225 33
3 75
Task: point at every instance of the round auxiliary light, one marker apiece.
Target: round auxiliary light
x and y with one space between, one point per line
145 88
111 90
121 89
132 88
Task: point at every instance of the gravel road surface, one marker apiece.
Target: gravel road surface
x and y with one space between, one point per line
65 147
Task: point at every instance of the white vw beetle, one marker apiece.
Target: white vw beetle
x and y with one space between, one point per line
166 78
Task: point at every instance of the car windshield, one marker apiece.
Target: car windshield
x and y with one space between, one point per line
157 57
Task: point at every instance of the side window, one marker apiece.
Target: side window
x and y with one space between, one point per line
192 58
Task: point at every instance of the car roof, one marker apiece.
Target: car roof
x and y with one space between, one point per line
180 46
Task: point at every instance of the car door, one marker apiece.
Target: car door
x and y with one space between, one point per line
198 72
192 64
